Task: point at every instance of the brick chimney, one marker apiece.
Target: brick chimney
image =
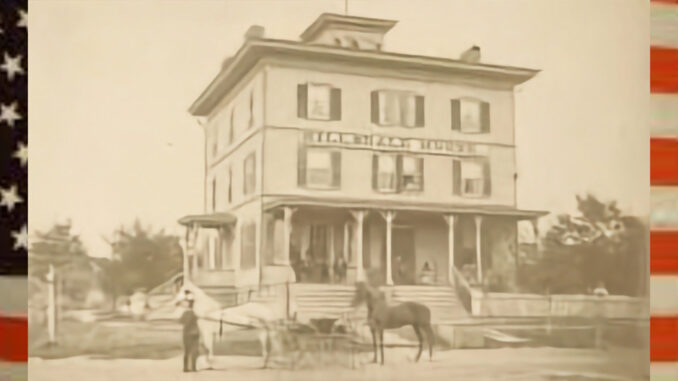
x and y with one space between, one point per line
472 55
255 32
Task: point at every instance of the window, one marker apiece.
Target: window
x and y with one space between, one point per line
248 248
386 173
214 194
319 168
230 185
230 128
470 115
412 176
471 177
249 177
251 121
397 108
395 173
318 102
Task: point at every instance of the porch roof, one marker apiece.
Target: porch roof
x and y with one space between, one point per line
396 205
213 220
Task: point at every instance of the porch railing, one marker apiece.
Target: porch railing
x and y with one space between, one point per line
463 290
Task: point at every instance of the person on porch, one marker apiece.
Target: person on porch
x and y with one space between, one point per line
340 269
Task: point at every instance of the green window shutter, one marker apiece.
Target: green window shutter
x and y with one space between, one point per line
301 165
375 107
302 101
336 168
487 189
335 104
485 117
456 114
456 177
419 111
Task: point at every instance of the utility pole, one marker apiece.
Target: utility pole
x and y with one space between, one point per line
51 305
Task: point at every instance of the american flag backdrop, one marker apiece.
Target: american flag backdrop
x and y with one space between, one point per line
13 188
664 189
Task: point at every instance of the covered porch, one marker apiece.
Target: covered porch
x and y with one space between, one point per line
339 242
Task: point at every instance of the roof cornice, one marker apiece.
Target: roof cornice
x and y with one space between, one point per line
254 50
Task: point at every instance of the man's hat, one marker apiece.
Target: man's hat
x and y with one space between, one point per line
188 295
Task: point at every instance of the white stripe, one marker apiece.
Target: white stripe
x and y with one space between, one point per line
663 371
664 115
664 207
664 25
13 301
664 295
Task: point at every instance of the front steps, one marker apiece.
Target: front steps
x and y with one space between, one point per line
441 300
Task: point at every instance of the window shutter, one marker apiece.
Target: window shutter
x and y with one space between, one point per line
456 177
456 115
375 172
302 100
335 104
336 168
301 166
399 172
375 107
485 117
419 111
420 172
487 189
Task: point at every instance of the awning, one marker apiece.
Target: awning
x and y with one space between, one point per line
209 221
371 204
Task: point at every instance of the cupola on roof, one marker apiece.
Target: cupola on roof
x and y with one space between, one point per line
351 32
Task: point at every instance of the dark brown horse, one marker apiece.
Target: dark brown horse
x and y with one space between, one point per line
381 316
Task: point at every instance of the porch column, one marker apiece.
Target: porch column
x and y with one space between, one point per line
287 234
187 247
389 215
450 219
330 239
346 242
359 216
479 261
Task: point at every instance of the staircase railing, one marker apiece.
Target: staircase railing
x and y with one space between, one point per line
463 290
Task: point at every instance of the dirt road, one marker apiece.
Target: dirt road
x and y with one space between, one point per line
486 364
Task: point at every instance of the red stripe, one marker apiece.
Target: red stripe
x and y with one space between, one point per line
665 1
664 161
663 339
664 252
13 339
663 70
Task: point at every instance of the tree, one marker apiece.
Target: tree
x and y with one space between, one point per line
601 244
57 246
142 259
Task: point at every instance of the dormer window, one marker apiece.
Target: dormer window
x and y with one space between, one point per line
318 102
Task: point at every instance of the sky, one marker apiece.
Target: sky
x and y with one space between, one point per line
110 83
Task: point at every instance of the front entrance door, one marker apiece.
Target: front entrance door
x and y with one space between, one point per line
402 248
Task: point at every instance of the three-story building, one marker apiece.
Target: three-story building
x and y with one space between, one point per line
330 153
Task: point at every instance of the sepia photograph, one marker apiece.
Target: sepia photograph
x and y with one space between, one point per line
356 189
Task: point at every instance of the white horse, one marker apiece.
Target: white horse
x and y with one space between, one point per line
214 320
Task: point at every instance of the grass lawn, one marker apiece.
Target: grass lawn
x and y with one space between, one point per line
129 339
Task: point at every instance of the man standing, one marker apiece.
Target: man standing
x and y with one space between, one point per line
191 334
